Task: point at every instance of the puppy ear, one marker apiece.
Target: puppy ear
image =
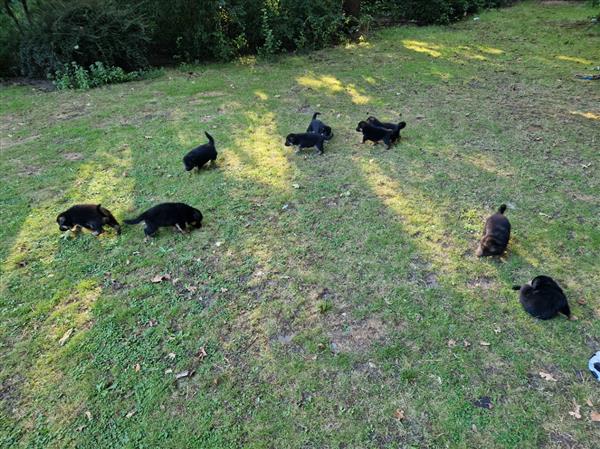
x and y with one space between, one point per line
62 219
103 211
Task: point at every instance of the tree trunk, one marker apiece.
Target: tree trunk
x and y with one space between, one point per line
352 8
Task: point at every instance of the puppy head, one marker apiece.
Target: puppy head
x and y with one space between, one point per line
196 219
290 140
401 125
64 224
188 164
361 125
488 247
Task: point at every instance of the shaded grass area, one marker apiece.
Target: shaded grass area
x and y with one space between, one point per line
326 308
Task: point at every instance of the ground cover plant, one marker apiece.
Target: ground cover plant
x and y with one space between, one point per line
328 301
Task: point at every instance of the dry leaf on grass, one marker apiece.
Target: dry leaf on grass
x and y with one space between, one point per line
577 412
595 416
589 403
201 353
137 367
65 337
547 376
399 414
466 344
451 343
183 374
88 415
161 277
130 414
484 343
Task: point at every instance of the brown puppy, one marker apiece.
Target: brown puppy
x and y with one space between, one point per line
495 235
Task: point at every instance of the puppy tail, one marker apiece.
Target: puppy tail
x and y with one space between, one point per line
209 137
315 115
134 220
401 125
516 287
502 208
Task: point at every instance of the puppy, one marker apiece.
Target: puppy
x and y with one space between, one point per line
179 215
318 127
201 155
375 133
306 140
495 235
89 216
543 298
395 127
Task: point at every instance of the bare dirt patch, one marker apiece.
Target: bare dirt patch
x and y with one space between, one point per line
8 143
71 156
355 336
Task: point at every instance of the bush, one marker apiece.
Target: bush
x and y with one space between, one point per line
431 11
74 76
83 32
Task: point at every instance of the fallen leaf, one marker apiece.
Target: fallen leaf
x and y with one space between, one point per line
130 414
168 371
451 343
589 403
182 374
147 137
484 343
497 330
201 353
296 186
399 414
595 416
577 412
581 302
224 290
217 244
484 402
65 337
466 344
137 367
547 376
88 415
171 355
191 288
161 277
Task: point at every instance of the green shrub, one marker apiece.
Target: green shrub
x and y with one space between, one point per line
74 76
83 31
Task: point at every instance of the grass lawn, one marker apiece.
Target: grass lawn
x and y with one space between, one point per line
326 296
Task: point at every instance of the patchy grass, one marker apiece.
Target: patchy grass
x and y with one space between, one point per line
326 308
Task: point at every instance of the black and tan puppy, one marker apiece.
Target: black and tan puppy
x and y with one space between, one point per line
394 127
89 216
318 127
543 298
179 215
375 133
201 155
306 140
496 235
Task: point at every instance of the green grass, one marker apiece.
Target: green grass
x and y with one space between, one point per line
325 308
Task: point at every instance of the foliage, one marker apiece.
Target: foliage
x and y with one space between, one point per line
129 33
74 76
83 31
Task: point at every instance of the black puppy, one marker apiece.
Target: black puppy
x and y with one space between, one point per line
543 298
89 216
168 214
306 140
495 235
201 155
375 133
318 127
395 127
